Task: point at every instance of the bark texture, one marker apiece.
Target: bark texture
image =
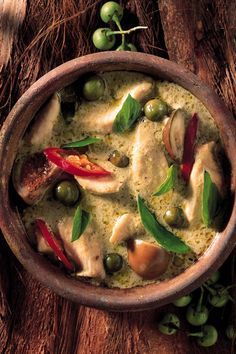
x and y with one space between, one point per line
201 36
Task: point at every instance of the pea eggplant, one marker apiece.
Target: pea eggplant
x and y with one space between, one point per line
155 109
105 38
169 324
198 314
113 263
93 88
207 337
67 192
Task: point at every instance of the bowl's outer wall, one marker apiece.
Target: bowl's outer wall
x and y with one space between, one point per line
134 299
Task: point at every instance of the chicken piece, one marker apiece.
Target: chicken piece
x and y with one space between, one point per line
44 122
102 185
127 226
33 176
149 164
101 121
205 161
142 92
86 251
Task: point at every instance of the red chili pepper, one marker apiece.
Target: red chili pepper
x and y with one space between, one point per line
50 238
189 147
74 163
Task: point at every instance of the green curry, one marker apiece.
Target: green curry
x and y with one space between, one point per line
133 137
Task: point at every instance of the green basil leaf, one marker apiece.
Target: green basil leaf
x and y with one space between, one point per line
80 222
164 237
210 200
169 182
129 113
81 143
85 221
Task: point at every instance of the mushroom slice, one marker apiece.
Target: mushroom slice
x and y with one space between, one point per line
146 259
127 226
44 121
33 176
102 185
86 251
205 160
101 120
173 134
149 164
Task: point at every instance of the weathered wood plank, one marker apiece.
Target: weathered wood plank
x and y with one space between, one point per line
201 36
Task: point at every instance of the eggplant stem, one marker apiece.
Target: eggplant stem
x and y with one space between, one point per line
126 31
118 24
199 305
230 286
211 291
197 334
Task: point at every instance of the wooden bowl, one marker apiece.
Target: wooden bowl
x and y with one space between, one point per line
138 298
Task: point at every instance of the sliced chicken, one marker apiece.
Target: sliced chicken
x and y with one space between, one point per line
149 164
101 120
33 176
127 226
205 161
86 251
142 92
103 185
44 122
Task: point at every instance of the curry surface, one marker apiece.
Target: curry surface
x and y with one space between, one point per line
106 209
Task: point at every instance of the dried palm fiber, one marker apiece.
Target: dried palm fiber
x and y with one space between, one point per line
56 31
12 15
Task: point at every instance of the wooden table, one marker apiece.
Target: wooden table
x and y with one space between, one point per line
198 34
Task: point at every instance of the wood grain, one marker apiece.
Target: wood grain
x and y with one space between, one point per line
200 36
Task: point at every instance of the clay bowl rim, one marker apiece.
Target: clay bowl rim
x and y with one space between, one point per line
139 298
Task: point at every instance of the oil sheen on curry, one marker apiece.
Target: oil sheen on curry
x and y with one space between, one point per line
121 178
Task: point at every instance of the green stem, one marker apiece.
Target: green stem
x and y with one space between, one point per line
117 22
230 287
126 31
199 305
197 334
211 291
